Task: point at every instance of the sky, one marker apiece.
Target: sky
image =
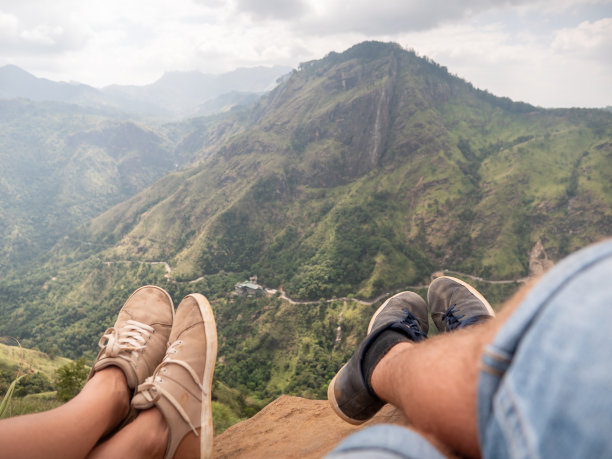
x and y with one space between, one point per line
551 53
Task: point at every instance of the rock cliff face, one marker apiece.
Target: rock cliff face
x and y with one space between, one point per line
292 427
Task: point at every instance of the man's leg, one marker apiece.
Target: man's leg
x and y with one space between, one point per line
434 381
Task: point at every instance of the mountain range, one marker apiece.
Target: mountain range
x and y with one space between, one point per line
176 95
359 174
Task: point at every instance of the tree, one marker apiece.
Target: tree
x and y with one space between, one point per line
70 379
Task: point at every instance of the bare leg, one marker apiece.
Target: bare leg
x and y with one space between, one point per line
71 430
145 438
434 382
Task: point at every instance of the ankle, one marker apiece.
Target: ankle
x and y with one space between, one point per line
377 351
382 374
112 382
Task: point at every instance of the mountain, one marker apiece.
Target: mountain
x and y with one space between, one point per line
182 93
17 83
63 164
370 168
360 174
176 95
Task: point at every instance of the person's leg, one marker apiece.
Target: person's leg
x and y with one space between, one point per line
434 381
131 350
71 430
546 379
175 401
146 437
434 384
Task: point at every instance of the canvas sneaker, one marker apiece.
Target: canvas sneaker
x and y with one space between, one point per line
350 394
455 304
138 340
181 385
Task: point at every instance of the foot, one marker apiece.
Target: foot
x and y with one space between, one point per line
181 385
455 304
401 318
138 340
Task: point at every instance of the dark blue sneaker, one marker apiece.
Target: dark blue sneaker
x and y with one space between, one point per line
350 393
455 304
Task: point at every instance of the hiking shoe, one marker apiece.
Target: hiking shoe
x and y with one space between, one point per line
138 340
181 385
455 304
350 393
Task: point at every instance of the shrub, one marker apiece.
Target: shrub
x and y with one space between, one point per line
70 379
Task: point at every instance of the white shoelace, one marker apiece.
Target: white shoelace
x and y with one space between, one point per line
151 390
132 337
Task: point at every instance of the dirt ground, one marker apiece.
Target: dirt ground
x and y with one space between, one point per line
292 427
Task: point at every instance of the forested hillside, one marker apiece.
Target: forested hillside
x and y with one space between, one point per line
363 173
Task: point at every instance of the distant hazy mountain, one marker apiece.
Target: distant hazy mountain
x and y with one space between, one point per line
183 93
17 83
175 95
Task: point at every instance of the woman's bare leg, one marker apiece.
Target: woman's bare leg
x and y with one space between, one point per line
73 429
146 437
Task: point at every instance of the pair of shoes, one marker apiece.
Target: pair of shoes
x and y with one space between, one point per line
453 304
168 360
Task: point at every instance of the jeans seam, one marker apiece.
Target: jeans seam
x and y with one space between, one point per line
520 423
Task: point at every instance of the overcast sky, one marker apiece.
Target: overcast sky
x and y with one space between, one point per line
552 53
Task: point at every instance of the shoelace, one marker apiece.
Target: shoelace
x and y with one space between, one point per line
413 323
151 390
453 318
132 337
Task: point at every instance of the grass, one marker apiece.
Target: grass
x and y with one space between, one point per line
34 403
31 360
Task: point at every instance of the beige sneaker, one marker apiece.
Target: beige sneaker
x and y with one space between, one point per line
138 341
181 385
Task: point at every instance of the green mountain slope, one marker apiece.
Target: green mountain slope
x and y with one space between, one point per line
368 169
362 173
63 165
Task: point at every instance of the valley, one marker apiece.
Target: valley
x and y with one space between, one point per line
359 175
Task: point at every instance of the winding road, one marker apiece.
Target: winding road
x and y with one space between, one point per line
284 296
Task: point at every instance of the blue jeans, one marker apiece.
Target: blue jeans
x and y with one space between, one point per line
545 385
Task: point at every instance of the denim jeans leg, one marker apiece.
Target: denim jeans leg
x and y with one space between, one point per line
385 441
545 387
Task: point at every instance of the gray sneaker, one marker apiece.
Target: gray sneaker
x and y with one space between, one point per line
456 304
350 394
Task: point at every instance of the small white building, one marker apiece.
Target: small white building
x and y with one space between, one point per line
248 288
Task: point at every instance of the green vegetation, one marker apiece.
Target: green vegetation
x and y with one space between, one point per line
361 174
70 379
33 403
27 380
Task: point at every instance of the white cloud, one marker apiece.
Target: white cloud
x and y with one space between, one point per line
272 9
9 26
588 39
518 48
